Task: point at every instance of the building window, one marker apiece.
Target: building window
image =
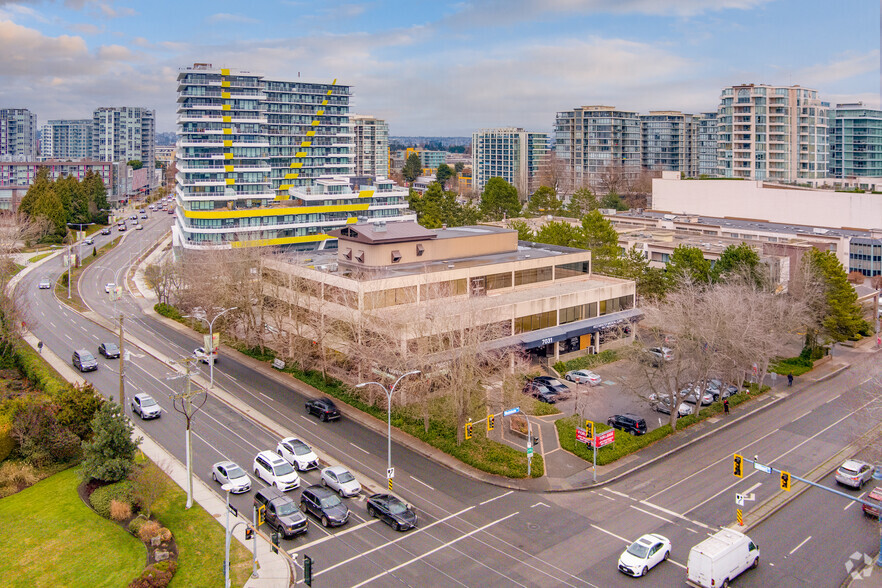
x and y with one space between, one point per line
569 270
531 276
420 250
347 253
497 281
359 257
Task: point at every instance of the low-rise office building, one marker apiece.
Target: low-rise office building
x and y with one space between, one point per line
421 284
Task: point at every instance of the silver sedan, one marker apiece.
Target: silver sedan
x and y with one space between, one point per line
227 472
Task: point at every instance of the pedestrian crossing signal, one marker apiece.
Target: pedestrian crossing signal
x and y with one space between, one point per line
468 431
785 481
491 422
738 468
249 533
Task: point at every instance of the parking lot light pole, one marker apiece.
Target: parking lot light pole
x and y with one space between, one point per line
389 393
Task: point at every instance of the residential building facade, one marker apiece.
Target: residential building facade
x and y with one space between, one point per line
17 176
66 139
776 133
246 147
512 154
371 146
594 141
124 133
855 137
667 142
18 134
704 147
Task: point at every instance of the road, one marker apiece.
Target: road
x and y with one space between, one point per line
470 533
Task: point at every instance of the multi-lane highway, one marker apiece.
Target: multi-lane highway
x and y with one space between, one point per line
471 533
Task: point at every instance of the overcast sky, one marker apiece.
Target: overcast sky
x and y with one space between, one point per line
440 67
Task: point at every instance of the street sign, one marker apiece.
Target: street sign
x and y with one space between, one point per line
529 451
581 436
511 411
739 500
390 473
234 510
606 437
762 468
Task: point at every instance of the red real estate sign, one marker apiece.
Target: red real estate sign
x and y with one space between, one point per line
606 437
581 436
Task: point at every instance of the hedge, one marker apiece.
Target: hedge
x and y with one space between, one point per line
120 491
7 443
586 362
40 373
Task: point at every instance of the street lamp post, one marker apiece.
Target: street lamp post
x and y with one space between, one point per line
211 339
389 393
79 253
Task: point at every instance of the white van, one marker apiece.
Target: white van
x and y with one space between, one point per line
717 560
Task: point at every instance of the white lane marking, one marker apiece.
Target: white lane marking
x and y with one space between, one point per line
265 396
674 514
804 541
850 502
378 547
360 449
68 337
605 496
620 538
51 324
431 551
867 380
618 493
652 514
496 498
540 504
676 563
421 482
789 451
308 420
334 535
805 414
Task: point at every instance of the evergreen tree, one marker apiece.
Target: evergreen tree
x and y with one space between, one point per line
499 200
442 174
742 260
525 233
559 233
581 203
413 167
688 262
544 201
614 201
843 318
110 454
600 237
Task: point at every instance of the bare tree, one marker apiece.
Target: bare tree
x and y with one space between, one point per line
557 173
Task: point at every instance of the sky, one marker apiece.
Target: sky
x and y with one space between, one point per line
442 68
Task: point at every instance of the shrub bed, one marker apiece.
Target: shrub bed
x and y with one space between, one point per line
586 362
102 498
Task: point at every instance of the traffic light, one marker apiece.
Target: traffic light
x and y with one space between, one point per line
491 422
785 481
468 431
261 512
589 429
738 467
307 570
249 533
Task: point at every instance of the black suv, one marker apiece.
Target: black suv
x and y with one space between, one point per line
630 423
280 512
325 505
323 408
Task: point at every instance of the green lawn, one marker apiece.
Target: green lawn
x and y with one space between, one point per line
48 537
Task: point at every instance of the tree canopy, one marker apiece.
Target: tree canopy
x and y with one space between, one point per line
135 164
688 262
110 454
742 260
65 200
438 207
600 237
842 316
442 174
413 167
499 200
544 201
581 203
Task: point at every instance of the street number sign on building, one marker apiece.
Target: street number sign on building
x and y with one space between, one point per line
606 437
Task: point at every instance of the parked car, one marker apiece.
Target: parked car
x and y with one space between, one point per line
297 453
108 350
662 404
720 391
553 383
644 554
274 470
200 354
340 479
105 231
325 505
84 361
392 511
875 498
691 395
720 558
854 473
108 287
227 472
630 423
323 408
146 407
583 377
540 392
657 355
45 284
280 512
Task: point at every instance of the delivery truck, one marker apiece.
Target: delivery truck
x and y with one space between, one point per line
717 560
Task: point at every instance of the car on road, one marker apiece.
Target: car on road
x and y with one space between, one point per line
275 471
720 391
392 511
121 227
105 231
89 241
144 215
583 377
134 217
200 354
108 350
84 361
45 284
644 554
556 385
108 287
662 404
875 499
540 392
146 407
340 479
227 472
323 408
854 473
324 504
297 453
139 228
629 423
280 512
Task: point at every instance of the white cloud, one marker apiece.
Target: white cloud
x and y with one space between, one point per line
114 53
227 17
86 28
844 67
28 52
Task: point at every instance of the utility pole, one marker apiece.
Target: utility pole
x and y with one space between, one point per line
122 366
183 403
